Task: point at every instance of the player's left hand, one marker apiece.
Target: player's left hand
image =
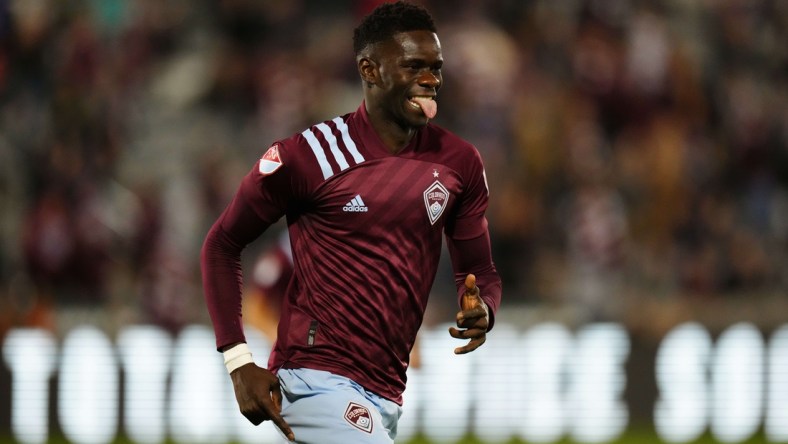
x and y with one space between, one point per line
474 318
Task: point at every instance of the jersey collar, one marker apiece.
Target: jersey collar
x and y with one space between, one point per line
372 141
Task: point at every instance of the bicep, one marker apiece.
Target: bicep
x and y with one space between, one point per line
259 202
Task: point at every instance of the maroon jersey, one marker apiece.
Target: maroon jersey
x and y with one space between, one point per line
365 228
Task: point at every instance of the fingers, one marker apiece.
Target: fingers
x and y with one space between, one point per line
257 418
273 407
477 336
471 346
470 298
467 318
259 397
470 284
470 333
276 397
473 318
282 425
269 410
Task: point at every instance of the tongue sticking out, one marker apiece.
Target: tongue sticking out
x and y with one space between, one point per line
428 106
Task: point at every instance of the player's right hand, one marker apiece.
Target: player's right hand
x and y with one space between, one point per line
259 396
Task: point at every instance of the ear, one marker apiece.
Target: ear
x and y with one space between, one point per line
368 70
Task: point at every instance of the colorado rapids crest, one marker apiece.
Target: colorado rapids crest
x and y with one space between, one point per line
359 417
435 199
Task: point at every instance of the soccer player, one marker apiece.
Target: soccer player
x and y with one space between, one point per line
368 197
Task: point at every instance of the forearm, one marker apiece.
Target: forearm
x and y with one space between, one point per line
222 279
220 262
475 256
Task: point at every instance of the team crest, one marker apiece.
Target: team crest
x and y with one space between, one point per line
359 417
270 161
435 199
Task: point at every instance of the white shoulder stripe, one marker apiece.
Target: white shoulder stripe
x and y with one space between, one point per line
332 143
325 167
351 146
320 152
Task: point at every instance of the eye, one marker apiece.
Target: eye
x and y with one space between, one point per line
416 66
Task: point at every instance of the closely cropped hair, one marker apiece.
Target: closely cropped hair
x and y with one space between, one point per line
389 19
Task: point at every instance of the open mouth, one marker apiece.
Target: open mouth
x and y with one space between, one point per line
426 104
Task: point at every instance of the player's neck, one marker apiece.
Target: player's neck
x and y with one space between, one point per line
394 137
395 143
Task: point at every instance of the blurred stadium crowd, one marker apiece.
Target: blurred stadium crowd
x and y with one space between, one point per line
636 151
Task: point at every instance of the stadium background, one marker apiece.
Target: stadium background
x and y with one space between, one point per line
636 153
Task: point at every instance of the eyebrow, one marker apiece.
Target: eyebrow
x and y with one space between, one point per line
421 61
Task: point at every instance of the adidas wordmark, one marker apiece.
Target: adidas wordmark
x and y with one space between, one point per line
356 205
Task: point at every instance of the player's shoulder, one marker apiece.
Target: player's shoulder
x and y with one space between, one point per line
326 132
445 137
322 149
451 145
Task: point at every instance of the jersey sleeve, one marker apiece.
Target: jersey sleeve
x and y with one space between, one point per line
474 256
261 199
469 221
468 237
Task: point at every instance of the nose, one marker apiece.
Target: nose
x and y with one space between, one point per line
430 80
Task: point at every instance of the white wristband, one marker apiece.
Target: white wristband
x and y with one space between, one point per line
237 356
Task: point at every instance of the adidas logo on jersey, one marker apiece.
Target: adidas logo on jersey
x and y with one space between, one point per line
355 206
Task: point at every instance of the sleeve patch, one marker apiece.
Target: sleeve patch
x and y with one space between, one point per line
271 161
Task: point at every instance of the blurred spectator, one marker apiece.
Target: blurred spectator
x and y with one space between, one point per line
595 224
634 150
271 274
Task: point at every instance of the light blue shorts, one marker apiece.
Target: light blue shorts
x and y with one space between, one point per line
323 408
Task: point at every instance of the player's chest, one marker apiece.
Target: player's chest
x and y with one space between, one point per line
388 193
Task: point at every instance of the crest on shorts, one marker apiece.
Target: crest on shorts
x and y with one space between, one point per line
270 161
359 417
435 199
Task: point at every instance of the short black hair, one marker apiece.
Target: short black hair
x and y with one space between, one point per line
389 19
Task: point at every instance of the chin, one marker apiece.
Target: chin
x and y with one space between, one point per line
413 118
416 120
410 121
420 123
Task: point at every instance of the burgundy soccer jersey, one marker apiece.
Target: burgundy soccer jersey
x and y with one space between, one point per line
366 229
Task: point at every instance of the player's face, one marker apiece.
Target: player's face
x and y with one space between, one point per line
409 66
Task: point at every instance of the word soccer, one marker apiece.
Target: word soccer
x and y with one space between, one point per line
539 384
